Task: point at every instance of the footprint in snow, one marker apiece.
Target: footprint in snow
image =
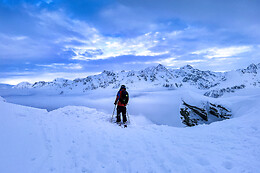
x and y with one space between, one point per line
227 165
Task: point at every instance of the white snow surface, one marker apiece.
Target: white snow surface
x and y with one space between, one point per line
82 139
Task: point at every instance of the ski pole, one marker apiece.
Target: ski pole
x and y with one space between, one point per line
127 115
113 114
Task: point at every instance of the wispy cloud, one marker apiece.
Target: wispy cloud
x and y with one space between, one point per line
223 52
108 47
18 38
70 66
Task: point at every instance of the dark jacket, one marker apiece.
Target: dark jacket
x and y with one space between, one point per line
119 94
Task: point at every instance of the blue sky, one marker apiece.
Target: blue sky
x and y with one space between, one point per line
47 39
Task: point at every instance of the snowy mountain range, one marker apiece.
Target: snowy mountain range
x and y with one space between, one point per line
215 83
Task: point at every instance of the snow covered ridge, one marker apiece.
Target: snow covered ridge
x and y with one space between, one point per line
155 76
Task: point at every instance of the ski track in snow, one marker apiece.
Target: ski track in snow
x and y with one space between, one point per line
80 139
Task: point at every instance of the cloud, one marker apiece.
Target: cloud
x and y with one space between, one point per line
213 58
232 14
223 52
54 35
109 47
70 66
18 38
50 32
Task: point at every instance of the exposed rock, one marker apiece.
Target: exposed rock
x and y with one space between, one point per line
252 68
110 73
172 86
39 84
218 111
221 92
199 111
186 118
205 114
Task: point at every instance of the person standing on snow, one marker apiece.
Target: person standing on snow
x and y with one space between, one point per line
121 102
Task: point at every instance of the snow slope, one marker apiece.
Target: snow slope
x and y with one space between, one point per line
80 139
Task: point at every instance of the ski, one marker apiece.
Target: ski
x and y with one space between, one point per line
122 125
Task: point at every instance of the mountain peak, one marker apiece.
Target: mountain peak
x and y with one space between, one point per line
23 85
160 67
252 68
187 67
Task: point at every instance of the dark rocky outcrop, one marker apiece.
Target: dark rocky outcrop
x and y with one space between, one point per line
199 111
221 92
176 85
252 68
186 118
205 114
